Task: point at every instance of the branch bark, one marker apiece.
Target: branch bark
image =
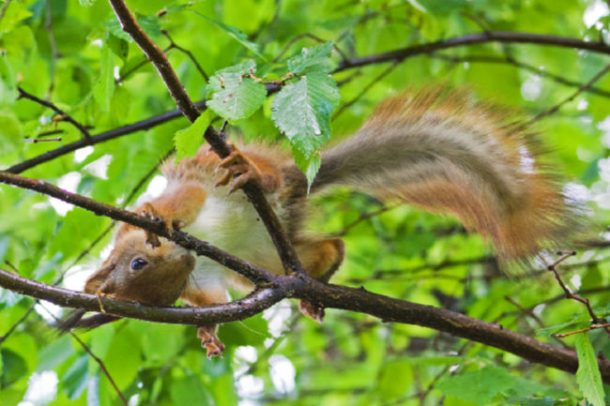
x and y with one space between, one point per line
97 139
475 39
237 310
329 296
203 248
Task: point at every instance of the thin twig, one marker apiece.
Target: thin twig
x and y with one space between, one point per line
574 296
476 39
38 140
97 359
63 116
510 60
362 218
586 86
593 326
309 35
188 53
97 139
529 312
365 89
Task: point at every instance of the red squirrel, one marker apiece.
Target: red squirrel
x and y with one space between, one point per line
440 152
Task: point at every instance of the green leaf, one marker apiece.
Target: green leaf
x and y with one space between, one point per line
395 378
252 331
188 140
75 379
316 59
308 165
190 391
588 376
234 96
14 14
14 367
119 47
236 34
55 353
8 82
302 110
479 386
104 88
159 342
10 131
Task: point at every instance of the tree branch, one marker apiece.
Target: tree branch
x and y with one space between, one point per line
96 139
62 114
475 39
241 309
394 310
330 296
203 248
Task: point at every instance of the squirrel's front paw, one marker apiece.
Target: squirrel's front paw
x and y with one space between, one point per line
212 345
240 170
312 311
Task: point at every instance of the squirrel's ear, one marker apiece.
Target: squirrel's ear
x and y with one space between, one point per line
97 279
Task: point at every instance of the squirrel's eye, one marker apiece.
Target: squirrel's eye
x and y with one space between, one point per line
138 263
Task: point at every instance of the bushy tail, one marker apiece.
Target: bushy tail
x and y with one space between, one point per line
444 153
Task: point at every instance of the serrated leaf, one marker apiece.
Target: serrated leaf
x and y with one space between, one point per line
188 140
302 110
234 96
231 75
588 376
316 59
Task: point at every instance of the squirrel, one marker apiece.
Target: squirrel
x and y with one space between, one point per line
435 150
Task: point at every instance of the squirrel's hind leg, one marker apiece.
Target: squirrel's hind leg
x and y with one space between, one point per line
207 333
321 259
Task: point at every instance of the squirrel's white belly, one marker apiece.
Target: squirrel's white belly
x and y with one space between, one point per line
231 223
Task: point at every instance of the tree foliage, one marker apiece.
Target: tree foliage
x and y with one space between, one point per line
295 72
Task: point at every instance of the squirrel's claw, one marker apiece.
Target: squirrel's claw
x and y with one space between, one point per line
100 295
312 311
212 345
239 170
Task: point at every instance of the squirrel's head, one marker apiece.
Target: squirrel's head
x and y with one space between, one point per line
138 270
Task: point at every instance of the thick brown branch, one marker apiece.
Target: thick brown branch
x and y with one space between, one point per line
331 296
252 189
251 272
394 310
237 310
474 39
